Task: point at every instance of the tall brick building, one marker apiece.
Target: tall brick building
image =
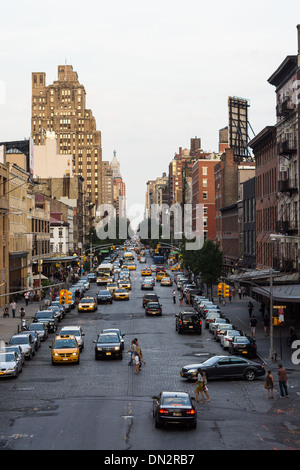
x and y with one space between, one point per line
61 108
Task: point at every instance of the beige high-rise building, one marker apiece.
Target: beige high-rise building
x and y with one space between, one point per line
61 108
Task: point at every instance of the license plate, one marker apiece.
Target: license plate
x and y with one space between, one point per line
176 414
191 327
108 353
244 352
65 358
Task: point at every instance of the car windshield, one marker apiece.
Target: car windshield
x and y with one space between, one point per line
36 326
19 340
209 362
242 340
153 305
176 401
190 317
121 291
65 343
108 339
86 301
104 292
44 315
7 357
71 332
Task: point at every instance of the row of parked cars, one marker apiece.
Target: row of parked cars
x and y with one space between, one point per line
240 346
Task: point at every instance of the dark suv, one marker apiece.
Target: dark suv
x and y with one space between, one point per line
48 318
150 297
188 320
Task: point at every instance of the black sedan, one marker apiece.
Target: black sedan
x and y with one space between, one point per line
225 367
153 308
243 346
104 297
174 408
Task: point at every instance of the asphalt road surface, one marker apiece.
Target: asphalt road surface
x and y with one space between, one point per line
103 405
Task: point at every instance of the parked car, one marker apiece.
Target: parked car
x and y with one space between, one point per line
10 364
221 329
25 342
104 296
153 308
35 336
227 337
108 345
16 349
188 320
211 318
223 367
48 318
174 408
243 345
91 277
40 329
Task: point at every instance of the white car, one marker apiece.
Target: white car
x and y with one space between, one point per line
213 325
76 331
10 364
228 336
220 330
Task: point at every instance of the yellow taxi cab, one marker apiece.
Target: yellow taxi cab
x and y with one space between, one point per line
175 267
65 349
87 304
146 272
112 286
121 294
160 275
131 267
166 281
124 284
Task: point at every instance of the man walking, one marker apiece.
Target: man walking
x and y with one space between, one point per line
13 307
174 296
282 379
252 325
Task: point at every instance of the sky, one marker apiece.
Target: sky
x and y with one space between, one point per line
156 73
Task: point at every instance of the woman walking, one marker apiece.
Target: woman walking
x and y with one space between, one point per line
269 384
201 386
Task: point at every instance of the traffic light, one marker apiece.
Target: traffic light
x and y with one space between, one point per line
62 296
68 297
220 290
226 290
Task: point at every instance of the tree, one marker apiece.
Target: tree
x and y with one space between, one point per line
210 260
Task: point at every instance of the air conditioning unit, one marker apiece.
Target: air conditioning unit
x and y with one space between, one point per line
283 167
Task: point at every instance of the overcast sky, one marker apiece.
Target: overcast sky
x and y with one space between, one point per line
156 73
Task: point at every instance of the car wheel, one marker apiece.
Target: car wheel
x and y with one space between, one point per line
157 424
249 375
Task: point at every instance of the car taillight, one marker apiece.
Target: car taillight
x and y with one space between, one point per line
163 411
180 322
199 322
190 412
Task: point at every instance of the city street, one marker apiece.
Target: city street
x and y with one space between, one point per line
103 405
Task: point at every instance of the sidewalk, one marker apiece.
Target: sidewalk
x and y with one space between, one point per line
239 307
10 325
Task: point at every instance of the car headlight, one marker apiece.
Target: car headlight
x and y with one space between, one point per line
99 349
56 354
117 348
192 371
74 354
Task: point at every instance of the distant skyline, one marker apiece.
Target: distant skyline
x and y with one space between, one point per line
156 74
